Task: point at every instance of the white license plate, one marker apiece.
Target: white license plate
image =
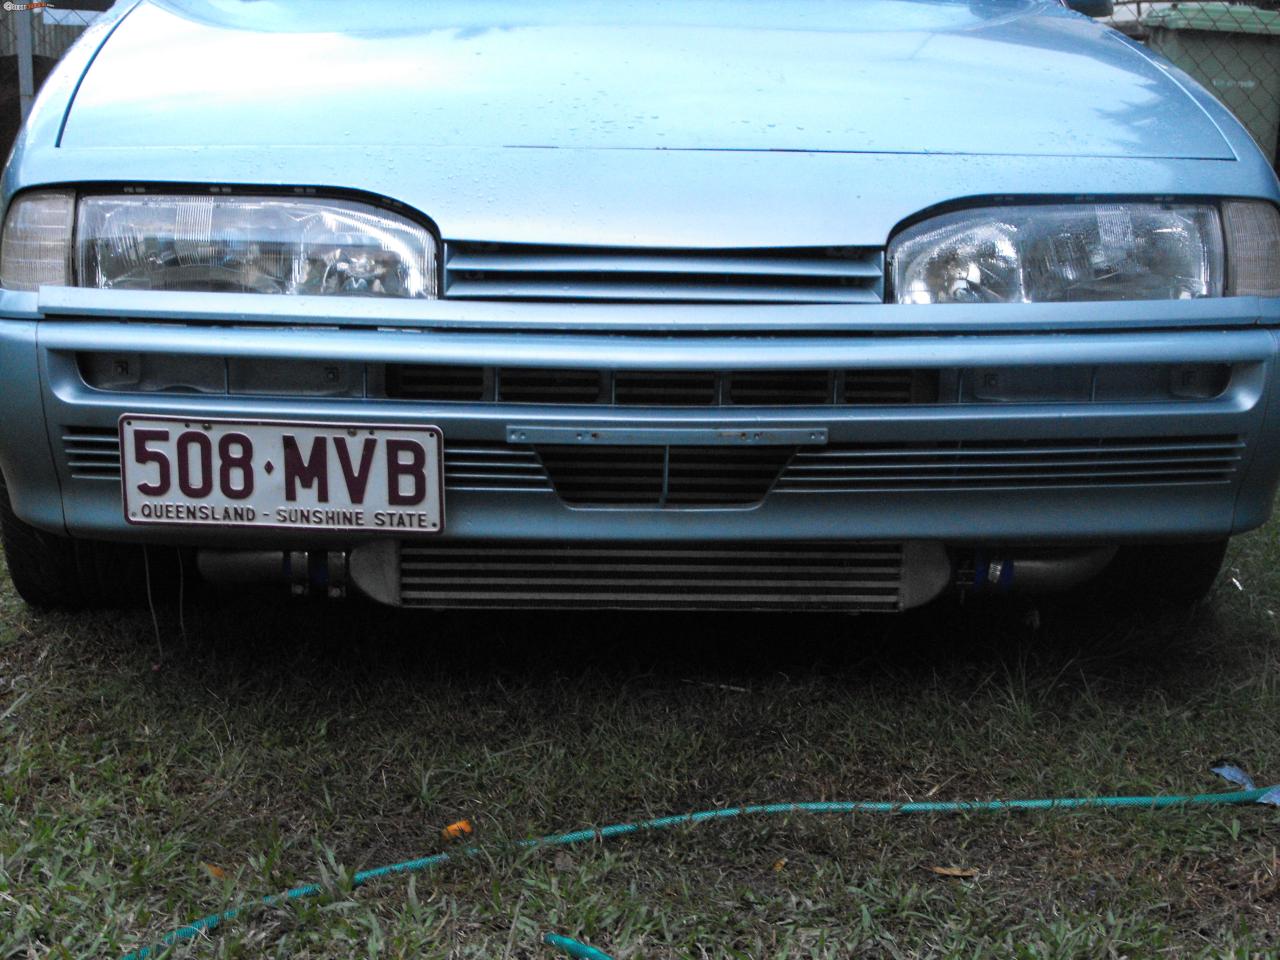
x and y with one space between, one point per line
247 473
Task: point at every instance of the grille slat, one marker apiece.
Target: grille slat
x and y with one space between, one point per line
641 275
745 576
657 289
1012 465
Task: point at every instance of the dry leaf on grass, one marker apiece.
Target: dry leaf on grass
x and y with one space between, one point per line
963 873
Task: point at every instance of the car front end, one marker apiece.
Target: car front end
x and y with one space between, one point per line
646 309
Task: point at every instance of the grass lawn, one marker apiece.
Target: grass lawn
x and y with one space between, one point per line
281 742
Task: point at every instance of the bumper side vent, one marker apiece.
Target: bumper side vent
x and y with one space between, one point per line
750 576
498 271
92 453
1012 464
477 465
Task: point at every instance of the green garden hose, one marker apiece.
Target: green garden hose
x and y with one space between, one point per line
1269 795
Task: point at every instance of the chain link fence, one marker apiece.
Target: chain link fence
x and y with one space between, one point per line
1231 46
31 42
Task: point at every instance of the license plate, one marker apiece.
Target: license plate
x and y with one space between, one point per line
255 473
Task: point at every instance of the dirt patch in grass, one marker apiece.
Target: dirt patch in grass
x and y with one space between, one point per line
280 742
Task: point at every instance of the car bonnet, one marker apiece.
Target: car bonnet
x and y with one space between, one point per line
985 77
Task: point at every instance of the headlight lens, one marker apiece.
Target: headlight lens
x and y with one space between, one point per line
1062 252
240 244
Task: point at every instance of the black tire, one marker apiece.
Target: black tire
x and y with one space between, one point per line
62 573
1157 577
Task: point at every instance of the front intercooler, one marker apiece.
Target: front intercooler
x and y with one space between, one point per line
724 576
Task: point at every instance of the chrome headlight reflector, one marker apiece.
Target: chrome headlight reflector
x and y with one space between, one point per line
1061 252
221 243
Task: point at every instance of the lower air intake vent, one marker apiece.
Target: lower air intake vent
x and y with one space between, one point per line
870 577
1013 464
92 453
603 476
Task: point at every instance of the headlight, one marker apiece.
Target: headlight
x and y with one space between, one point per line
239 244
1081 252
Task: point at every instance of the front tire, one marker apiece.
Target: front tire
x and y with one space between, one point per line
61 573
1151 578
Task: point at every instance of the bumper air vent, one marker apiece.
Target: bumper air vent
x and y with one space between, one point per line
410 381
92 453
1012 464
887 387
549 386
496 271
478 465
662 388
677 388
780 389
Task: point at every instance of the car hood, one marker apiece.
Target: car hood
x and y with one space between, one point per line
979 77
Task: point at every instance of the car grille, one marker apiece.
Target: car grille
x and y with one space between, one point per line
495 271
728 576
662 388
687 476
1012 464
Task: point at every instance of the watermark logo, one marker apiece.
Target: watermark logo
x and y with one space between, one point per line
9 5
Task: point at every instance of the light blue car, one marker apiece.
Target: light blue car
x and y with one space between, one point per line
826 304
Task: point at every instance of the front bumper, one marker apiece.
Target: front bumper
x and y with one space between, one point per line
46 401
